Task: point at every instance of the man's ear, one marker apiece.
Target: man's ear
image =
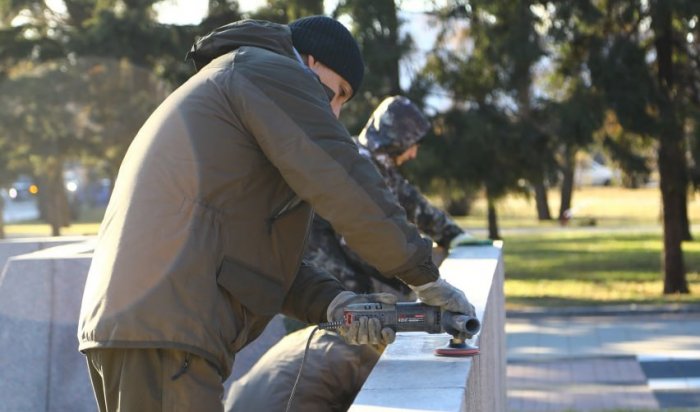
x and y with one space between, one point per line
311 60
305 58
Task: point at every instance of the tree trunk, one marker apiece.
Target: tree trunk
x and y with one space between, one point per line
394 70
674 267
493 219
2 219
567 185
672 168
54 199
685 222
542 202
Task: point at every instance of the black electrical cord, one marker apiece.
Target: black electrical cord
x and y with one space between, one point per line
328 325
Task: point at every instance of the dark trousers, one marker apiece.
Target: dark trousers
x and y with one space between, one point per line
153 380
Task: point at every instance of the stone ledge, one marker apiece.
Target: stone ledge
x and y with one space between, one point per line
40 366
20 246
410 376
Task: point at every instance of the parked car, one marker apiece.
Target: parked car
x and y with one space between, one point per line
589 172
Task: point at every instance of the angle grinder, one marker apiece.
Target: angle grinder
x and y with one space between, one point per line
416 317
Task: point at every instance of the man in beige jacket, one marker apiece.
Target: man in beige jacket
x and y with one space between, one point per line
202 240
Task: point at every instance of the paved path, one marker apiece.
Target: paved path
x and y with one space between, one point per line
603 363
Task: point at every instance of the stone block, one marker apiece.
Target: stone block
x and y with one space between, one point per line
40 366
40 295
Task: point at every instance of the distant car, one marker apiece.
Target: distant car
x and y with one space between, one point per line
592 173
22 189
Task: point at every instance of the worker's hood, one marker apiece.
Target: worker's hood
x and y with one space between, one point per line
257 33
395 125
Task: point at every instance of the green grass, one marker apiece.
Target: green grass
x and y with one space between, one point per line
37 229
574 269
618 263
608 206
88 224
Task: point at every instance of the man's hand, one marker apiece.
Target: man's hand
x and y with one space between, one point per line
442 294
365 330
456 308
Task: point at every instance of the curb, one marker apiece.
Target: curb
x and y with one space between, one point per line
609 310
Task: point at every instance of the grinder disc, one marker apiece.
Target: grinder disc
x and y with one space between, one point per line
457 349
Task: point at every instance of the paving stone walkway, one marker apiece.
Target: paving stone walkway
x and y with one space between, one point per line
604 363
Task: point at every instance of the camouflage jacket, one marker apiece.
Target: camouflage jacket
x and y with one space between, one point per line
328 251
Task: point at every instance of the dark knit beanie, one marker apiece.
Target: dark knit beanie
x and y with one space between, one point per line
331 44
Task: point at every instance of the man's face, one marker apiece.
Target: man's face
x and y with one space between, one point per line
407 155
340 87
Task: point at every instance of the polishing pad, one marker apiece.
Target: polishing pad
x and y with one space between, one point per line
457 349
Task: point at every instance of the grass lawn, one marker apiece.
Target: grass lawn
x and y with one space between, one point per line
615 261
608 206
618 260
88 224
578 269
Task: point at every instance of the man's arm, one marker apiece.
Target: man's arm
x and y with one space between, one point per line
430 220
286 110
310 294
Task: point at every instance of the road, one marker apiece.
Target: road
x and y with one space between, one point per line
20 211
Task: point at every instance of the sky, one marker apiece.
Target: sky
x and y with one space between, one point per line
192 11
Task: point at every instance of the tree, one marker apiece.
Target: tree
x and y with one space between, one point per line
376 27
118 98
483 61
632 152
39 113
487 142
219 13
646 64
575 121
56 125
281 11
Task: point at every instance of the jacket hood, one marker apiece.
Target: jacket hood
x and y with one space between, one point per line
395 125
257 33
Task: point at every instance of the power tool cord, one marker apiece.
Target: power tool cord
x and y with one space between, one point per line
329 325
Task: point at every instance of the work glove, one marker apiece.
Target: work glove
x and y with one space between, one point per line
365 330
456 308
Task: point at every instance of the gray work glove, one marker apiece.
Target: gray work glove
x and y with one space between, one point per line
449 299
365 330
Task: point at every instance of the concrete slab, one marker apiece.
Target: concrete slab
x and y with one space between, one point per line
590 384
607 359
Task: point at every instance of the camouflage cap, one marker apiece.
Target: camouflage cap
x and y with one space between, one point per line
395 125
